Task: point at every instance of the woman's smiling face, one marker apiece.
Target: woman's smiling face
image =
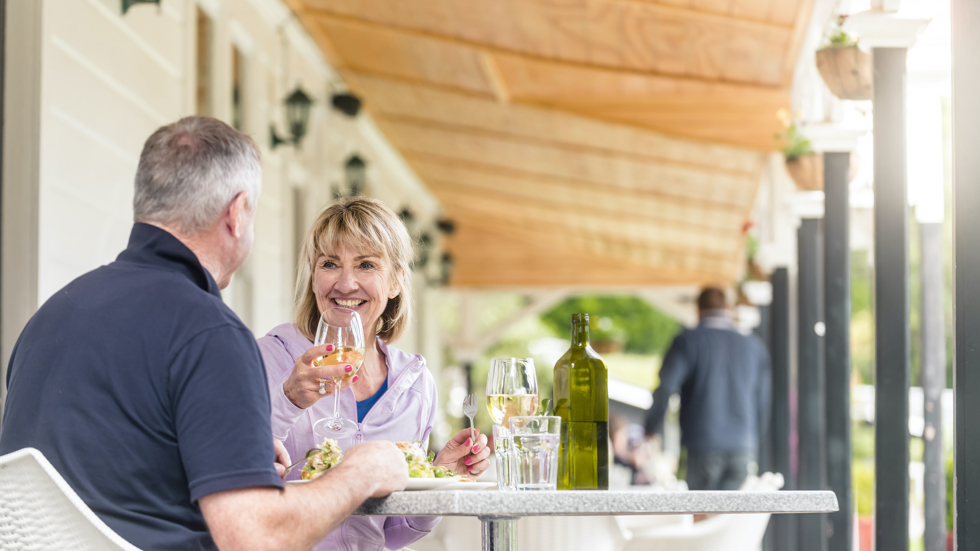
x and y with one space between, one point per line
355 279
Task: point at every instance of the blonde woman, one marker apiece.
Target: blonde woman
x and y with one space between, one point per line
357 255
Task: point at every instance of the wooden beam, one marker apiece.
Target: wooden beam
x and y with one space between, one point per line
498 257
644 55
619 203
641 249
792 52
589 226
494 77
425 105
555 162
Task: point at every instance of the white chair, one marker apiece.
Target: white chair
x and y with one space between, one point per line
39 511
742 532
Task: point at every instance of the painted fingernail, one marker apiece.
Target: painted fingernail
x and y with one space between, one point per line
468 460
476 449
469 442
354 380
348 369
329 348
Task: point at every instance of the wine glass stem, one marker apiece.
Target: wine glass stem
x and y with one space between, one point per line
336 402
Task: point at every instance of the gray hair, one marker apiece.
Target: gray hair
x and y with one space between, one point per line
191 170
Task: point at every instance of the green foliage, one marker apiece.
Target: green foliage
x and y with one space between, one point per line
949 492
863 484
862 442
862 316
795 145
640 327
838 38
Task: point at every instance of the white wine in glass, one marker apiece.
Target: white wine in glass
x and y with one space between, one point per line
504 406
512 389
340 327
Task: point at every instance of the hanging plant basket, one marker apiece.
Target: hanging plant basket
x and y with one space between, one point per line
807 171
846 70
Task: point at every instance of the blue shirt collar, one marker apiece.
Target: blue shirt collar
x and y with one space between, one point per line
153 246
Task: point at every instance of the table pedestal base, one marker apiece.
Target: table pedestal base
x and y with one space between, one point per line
499 533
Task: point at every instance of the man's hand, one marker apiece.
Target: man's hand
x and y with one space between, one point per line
378 462
303 385
282 458
462 456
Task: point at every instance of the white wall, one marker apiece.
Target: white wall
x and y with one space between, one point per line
100 83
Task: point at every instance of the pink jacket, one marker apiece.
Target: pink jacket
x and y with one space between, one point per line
405 412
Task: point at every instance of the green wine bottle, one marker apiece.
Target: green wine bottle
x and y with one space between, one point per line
582 401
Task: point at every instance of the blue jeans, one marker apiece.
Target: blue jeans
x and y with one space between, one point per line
717 470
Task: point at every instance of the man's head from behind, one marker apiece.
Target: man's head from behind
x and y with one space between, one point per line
195 174
711 299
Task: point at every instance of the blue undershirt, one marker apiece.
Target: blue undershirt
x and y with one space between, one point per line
365 405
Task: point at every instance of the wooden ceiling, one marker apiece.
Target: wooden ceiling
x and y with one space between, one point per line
576 142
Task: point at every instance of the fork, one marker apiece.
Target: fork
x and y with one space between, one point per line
469 410
305 457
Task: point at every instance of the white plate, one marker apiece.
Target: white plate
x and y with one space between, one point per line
468 486
423 484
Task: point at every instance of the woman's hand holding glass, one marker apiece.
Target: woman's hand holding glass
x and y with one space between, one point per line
463 456
304 383
340 327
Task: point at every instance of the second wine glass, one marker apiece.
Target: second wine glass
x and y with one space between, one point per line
341 328
512 389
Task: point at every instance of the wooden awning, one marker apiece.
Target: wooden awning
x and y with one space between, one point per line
576 142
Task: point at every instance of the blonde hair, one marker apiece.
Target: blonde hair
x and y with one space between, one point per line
358 223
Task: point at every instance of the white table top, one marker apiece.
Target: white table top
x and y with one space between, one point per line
490 503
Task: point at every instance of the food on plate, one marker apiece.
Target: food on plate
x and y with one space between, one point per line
420 466
329 455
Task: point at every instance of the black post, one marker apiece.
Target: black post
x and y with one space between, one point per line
933 329
3 57
781 533
837 343
763 331
812 391
892 352
764 454
965 19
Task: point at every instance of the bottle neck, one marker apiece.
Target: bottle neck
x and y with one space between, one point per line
580 334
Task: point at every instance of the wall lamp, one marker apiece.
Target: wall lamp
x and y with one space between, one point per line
126 4
346 103
355 171
297 117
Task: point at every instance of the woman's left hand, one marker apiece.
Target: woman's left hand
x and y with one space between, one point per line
464 456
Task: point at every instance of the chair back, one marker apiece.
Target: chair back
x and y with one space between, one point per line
39 511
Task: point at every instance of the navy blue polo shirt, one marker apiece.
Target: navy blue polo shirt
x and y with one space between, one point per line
145 391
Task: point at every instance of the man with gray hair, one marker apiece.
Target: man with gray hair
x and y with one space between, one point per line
148 394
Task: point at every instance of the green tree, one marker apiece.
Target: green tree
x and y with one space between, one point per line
639 326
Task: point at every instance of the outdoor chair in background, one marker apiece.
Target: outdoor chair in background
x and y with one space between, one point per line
716 533
40 511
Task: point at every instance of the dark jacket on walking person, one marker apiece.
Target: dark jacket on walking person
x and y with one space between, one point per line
723 378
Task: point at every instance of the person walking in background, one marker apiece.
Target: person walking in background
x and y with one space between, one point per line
723 378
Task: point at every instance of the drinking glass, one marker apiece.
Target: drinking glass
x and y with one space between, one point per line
340 327
503 451
535 445
512 389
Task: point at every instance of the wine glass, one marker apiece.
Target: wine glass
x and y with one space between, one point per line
512 389
340 327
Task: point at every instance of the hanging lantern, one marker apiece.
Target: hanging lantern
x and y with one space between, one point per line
356 172
126 4
297 118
